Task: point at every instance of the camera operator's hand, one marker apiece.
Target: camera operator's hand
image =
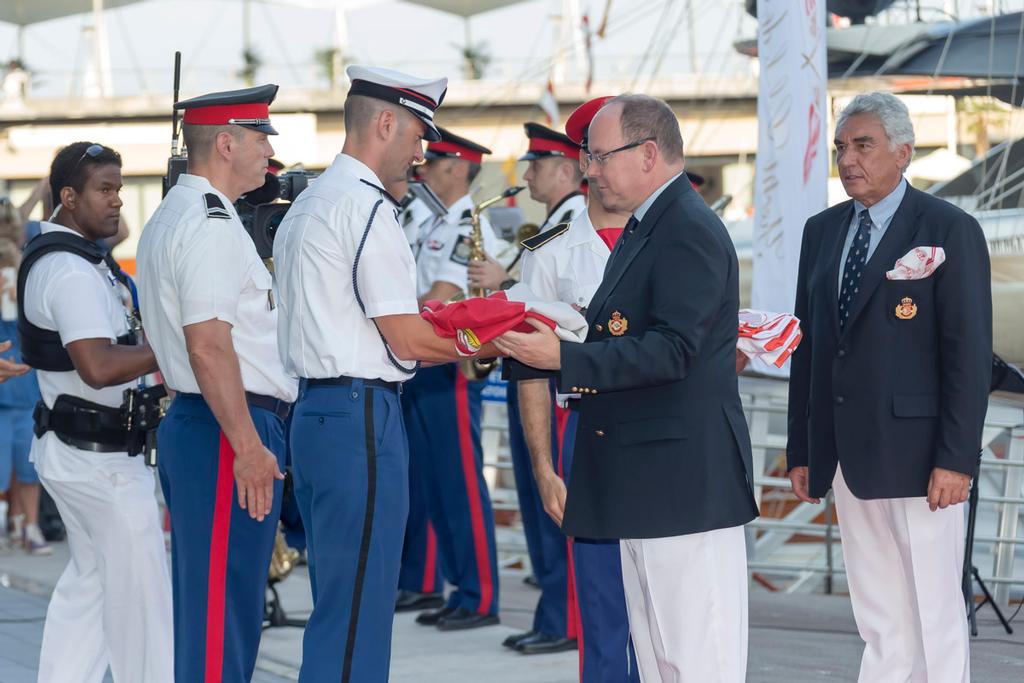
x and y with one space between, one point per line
255 471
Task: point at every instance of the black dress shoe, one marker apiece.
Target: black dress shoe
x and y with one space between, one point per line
432 616
531 580
411 600
515 638
462 619
542 643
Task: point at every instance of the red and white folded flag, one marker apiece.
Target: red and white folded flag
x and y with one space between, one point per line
772 337
477 321
917 264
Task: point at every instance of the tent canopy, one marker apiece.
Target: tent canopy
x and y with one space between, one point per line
465 8
25 12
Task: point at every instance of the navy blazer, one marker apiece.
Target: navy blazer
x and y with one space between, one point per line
662 447
893 395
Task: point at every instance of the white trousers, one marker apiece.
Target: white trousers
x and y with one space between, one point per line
112 604
904 567
687 602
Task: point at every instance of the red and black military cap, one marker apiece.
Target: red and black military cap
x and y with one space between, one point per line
249 108
454 146
545 142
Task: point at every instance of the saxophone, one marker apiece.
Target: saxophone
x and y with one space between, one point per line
478 368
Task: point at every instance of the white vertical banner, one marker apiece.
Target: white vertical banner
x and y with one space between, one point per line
792 154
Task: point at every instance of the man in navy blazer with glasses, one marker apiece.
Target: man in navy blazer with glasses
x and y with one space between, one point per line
662 454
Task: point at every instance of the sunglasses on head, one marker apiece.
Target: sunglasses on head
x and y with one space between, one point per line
92 151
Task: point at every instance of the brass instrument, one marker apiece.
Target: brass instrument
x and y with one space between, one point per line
479 368
283 559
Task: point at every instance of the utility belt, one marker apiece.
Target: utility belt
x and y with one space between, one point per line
103 429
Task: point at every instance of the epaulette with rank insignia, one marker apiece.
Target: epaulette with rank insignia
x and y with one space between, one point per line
543 238
215 207
566 217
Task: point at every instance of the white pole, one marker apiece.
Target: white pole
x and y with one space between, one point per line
101 45
341 44
563 36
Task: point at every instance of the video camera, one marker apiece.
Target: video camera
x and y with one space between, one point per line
262 210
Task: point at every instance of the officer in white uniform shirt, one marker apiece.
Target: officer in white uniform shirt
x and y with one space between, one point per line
442 410
351 332
553 179
112 604
211 316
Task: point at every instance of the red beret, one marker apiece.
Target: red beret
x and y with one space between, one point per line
578 122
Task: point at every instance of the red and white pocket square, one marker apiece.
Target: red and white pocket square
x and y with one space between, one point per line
917 264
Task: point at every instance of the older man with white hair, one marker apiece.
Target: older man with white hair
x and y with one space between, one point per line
888 393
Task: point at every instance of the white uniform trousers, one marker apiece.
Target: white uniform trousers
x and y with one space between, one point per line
903 566
112 604
687 602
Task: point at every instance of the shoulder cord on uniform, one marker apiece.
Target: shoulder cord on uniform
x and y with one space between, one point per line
359 299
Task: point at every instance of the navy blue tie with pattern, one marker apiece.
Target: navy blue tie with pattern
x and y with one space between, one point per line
854 267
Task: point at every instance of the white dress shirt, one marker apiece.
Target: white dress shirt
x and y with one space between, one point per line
193 268
323 332
569 268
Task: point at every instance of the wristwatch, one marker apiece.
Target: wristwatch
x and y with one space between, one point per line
508 284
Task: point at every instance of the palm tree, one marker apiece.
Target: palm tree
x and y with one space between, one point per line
476 58
251 63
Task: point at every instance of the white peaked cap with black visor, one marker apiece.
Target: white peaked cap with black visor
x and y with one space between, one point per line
420 96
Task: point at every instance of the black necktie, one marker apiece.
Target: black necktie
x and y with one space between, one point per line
631 226
854 267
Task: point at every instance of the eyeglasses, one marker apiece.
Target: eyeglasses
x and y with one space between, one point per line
602 159
92 151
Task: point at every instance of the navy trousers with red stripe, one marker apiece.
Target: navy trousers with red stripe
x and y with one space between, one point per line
606 650
547 547
442 412
350 462
220 556
421 566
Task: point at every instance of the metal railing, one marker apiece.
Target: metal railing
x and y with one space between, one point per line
765 408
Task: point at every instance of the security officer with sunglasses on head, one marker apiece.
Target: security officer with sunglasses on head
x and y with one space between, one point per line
112 605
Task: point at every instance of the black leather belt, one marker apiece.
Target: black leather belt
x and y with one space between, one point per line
344 381
274 405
